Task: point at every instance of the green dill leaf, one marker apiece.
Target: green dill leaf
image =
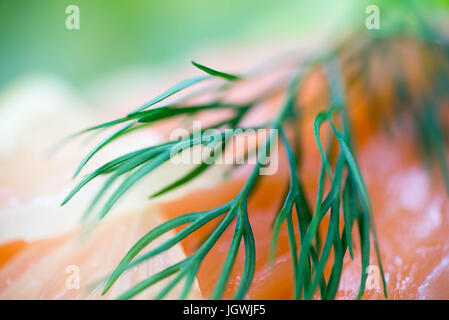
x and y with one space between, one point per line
216 73
196 219
190 279
132 179
185 179
176 88
101 170
112 137
250 258
349 214
151 280
230 259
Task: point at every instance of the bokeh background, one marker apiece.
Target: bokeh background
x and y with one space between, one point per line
144 33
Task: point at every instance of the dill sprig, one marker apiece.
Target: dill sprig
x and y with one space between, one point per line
347 192
308 265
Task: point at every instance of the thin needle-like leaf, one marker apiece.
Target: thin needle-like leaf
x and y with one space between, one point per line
176 88
216 73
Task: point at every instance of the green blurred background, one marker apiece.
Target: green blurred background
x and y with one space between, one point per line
118 34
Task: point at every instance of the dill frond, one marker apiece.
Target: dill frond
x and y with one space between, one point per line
348 192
